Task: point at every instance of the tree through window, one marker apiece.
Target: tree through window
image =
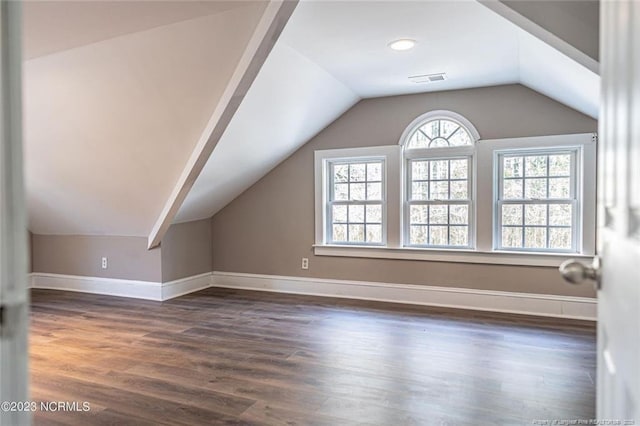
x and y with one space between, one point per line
439 133
439 204
537 200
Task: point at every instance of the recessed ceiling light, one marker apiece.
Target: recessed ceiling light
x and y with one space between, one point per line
402 44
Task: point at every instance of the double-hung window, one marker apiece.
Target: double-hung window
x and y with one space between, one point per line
354 203
537 200
355 206
443 194
438 211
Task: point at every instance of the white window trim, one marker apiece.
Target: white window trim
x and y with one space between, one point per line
390 198
484 187
443 255
329 164
434 115
585 144
575 198
439 153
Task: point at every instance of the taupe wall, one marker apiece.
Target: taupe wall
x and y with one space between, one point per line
186 250
82 255
270 227
575 21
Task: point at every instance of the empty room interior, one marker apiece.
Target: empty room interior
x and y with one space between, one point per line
320 212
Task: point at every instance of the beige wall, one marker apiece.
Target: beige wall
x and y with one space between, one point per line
186 250
270 227
128 257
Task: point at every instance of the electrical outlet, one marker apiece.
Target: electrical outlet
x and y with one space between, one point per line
104 263
305 263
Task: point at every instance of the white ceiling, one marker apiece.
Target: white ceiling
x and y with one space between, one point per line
117 93
473 45
54 26
290 101
110 125
551 73
333 53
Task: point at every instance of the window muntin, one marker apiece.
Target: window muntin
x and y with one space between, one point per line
355 206
439 202
439 133
537 201
484 222
438 208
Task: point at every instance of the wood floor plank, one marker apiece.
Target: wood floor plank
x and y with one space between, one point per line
223 356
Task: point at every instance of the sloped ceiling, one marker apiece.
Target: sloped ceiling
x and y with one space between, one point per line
290 101
54 26
576 22
116 94
332 54
553 74
110 124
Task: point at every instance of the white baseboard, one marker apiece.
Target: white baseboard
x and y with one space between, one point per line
483 300
148 290
187 285
96 285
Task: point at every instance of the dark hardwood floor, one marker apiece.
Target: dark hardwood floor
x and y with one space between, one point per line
238 357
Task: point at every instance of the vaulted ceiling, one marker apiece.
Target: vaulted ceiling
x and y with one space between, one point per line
333 54
118 94
54 26
109 125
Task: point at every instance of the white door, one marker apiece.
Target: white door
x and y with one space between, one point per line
13 233
619 296
618 384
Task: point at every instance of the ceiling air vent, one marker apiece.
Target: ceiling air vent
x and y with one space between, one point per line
428 78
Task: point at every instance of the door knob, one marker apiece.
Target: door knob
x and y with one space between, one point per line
576 272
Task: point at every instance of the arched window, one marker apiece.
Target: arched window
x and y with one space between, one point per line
439 133
438 150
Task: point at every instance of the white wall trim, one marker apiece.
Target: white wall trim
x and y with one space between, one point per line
187 285
392 189
148 290
462 298
110 286
483 300
482 218
453 255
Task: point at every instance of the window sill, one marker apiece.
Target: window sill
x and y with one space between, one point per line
443 255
